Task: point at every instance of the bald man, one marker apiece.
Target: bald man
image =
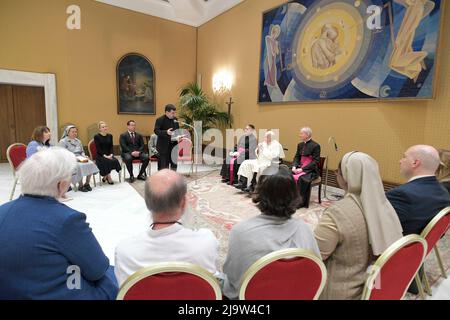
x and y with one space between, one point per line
166 239
422 197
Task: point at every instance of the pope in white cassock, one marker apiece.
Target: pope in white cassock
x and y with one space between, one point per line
269 151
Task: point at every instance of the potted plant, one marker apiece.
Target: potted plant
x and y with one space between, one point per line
196 106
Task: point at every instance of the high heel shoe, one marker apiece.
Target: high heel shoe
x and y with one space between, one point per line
110 182
103 179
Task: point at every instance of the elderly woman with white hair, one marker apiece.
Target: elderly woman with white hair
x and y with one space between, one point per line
353 231
85 167
267 153
48 250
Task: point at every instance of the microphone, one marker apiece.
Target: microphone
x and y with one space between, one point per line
334 141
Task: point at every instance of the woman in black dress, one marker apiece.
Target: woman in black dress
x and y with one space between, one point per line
106 162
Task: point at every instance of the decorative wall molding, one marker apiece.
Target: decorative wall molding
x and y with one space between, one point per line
45 80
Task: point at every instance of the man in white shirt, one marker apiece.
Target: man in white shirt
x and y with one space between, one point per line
167 240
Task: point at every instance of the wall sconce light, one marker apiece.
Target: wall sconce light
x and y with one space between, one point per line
222 84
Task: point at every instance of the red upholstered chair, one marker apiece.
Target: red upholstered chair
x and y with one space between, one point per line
149 167
288 274
171 281
151 144
432 233
394 270
124 167
16 154
92 148
185 152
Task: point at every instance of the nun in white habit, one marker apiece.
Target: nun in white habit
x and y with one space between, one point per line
357 229
85 167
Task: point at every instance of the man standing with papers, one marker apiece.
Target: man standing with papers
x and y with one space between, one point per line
165 127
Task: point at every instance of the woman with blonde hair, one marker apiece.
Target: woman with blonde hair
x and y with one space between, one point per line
353 231
105 160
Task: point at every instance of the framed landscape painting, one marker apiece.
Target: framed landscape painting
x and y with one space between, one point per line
315 50
135 85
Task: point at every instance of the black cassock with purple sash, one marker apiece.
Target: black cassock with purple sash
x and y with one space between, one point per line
307 157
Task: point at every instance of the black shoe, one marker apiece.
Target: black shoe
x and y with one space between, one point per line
141 177
110 182
249 189
83 189
225 180
70 189
87 187
131 179
103 179
301 205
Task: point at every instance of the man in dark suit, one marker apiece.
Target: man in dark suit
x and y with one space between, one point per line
167 147
422 197
243 150
132 145
306 162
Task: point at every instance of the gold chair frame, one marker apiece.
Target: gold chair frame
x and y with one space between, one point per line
384 258
424 234
16 178
162 267
282 254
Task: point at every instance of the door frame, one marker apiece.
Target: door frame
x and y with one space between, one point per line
35 79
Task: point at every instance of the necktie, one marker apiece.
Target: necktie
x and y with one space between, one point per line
132 138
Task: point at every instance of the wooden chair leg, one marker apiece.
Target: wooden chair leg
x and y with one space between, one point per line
320 192
14 188
441 265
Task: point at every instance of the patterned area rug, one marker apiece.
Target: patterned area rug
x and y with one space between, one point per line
218 206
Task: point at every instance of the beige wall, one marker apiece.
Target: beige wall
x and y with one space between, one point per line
384 130
34 37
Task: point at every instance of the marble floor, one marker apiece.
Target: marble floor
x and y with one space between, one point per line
114 212
118 211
